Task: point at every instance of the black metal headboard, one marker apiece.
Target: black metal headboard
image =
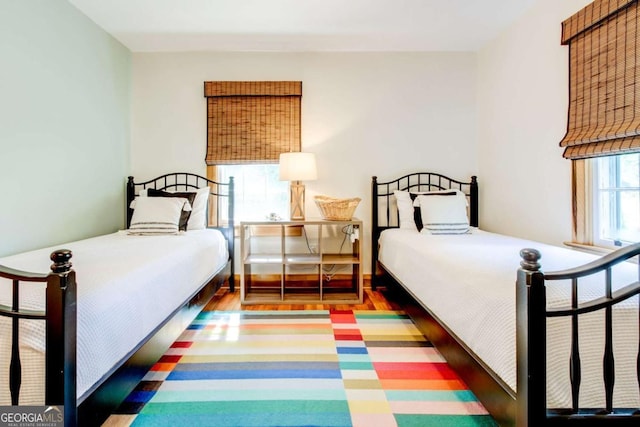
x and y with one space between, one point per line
384 212
221 200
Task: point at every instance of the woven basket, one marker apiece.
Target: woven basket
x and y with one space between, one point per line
336 209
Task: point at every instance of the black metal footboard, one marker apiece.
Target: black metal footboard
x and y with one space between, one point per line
532 315
60 318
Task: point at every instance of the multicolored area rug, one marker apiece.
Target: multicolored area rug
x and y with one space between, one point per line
303 368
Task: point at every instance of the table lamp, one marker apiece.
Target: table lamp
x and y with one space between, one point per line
296 167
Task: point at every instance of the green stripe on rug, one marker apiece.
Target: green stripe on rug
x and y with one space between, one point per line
445 421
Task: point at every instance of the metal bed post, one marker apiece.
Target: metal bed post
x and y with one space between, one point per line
375 234
60 364
531 338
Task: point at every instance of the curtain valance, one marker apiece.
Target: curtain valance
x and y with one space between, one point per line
252 122
604 68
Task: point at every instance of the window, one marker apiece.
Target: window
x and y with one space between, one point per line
603 126
258 191
249 124
616 200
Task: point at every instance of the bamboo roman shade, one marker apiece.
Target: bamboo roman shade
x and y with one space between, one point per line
252 122
604 68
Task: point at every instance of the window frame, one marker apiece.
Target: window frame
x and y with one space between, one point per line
585 199
614 170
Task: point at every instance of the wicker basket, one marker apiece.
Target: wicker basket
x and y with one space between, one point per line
336 209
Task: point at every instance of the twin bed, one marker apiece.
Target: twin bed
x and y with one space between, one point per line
507 340
134 295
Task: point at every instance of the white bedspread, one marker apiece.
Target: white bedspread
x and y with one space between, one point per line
127 285
468 281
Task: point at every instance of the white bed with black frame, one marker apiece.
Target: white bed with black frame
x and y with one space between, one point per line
555 347
136 291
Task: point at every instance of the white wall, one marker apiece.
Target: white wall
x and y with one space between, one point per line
64 126
366 114
525 184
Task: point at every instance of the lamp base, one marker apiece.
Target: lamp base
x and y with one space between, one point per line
297 200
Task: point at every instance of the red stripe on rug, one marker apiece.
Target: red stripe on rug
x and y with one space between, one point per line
342 317
415 366
347 337
427 371
181 344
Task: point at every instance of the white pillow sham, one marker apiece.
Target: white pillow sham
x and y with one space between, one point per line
157 215
405 210
444 214
198 218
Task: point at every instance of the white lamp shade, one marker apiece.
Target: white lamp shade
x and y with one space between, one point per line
298 167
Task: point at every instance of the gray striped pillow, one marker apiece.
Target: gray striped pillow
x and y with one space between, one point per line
444 214
157 215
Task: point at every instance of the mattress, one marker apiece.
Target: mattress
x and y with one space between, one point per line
468 282
126 287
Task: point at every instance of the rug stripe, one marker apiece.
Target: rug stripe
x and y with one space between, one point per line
254 373
444 421
246 407
200 395
245 420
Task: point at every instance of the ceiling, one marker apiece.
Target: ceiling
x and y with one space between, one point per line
303 25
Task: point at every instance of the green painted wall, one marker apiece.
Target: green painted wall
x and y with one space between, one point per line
65 88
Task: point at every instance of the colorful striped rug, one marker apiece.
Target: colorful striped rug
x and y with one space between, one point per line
302 368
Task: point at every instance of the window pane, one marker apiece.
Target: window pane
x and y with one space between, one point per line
629 227
258 191
617 209
629 166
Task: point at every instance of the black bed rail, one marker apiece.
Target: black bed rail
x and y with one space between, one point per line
382 198
222 203
532 314
60 332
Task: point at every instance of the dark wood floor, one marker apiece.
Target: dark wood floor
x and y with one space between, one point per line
373 300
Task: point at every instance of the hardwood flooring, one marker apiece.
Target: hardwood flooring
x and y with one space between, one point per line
373 300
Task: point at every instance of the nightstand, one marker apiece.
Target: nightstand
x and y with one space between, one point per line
306 261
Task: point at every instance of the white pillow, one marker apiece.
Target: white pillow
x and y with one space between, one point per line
198 218
444 214
157 215
405 210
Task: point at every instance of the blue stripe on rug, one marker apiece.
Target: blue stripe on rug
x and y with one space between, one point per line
352 350
262 366
178 375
